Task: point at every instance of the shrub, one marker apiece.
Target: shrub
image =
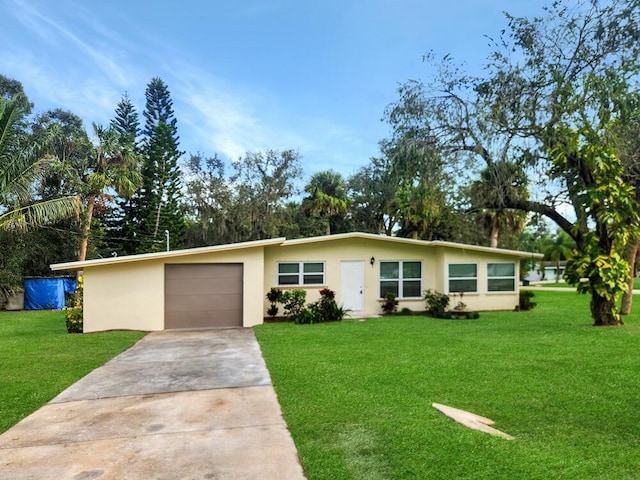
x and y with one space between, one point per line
327 308
274 296
436 303
273 310
75 315
525 300
390 303
460 314
75 319
327 293
406 311
308 315
293 301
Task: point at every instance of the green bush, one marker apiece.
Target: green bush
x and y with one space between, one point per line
308 315
274 296
525 300
75 319
406 311
293 301
273 310
75 315
436 303
325 309
389 303
460 314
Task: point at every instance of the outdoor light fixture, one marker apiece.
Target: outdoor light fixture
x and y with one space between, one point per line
372 261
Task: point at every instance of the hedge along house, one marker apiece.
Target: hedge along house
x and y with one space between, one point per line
226 285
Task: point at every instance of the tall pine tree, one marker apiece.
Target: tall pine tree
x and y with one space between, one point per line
122 237
126 121
158 206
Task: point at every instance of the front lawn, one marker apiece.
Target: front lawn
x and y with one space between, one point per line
563 284
357 395
39 359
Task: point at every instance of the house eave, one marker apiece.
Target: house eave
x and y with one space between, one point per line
411 241
162 255
479 248
281 241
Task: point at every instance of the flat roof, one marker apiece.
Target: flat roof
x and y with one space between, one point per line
411 241
169 254
283 242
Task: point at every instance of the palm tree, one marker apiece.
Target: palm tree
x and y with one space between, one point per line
19 169
327 197
499 183
114 167
559 248
420 209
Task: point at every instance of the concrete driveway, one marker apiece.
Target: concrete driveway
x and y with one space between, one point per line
177 405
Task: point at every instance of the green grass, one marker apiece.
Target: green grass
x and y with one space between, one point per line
39 359
357 395
563 284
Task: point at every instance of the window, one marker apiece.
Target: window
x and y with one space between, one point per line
301 273
501 277
463 277
403 278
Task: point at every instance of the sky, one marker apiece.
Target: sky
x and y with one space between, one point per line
246 75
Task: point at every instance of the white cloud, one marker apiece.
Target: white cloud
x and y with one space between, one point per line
55 32
70 58
93 98
230 120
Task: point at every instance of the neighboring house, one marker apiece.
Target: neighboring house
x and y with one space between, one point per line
226 285
551 272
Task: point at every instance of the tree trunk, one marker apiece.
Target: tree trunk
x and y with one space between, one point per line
495 231
84 243
631 252
328 231
603 311
86 228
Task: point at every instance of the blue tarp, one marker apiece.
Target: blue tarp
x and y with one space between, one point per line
47 293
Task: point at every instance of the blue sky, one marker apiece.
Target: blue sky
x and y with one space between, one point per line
245 75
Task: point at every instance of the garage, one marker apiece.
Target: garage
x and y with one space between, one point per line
204 295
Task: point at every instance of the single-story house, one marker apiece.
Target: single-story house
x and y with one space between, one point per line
226 285
552 272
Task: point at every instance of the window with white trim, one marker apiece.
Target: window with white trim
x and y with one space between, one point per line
300 273
501 277
463 277
403 278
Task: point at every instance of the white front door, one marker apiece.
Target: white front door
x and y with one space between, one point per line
352 280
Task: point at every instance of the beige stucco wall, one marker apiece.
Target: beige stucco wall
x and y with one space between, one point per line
130 295
434 270
351 249
483 300
126 296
